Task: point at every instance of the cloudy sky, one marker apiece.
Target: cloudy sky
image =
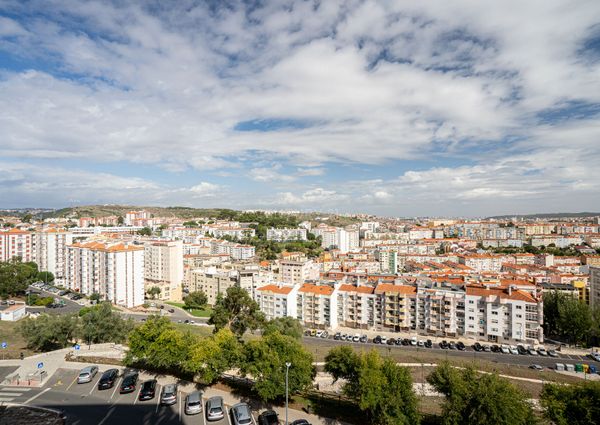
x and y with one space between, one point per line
439 108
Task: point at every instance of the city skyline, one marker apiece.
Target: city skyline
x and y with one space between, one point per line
386 108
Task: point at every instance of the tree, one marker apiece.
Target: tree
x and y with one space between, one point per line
210 357
575 404
477 399
154 292
264 360
120 220
142 340
195 300
146 231
49 332
95 297
47 277
27 218
285 326
190 223
101 324
236 311
16 276
382 389
574 320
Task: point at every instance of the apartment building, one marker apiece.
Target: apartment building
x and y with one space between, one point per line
503 314
482 262
163 268
113 270
284 235
358 307
594 286
16 243
212 282
234 250
345 240
277 301
317 306
294 272
50 252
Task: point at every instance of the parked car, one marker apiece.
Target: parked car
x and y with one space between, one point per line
477 347
356 338
542 351
495 348
171 310
504 349
337 336
384 339
343 337
319 333
399 341
513 350
451 345
129 382
444 345
215 410
87 374
420 343
168 395
532 351
413 341
461 346
325 335
428 344
148 390
300 422
595 356
536 367
377 340
522 351
108 379
364 339
193 403
487 348
552 353
241 415
405 341
268 417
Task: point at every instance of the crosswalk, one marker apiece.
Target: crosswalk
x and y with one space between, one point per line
9 394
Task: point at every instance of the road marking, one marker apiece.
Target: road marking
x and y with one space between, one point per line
157 398
5 399
110 411
36 396
69 387
14 390
227 411
137 397
115 390
179 402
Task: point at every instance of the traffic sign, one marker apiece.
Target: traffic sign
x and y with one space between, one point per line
40 365
77 347
4 344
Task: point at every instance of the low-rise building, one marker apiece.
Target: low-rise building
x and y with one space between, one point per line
277 301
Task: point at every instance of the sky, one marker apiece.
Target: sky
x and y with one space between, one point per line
396 108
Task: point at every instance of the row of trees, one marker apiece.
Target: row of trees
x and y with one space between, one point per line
159 345
570 319
16 276
93 325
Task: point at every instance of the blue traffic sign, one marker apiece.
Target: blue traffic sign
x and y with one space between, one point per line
77 347
4 344
40 365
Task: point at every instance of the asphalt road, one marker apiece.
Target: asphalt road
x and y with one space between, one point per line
84 404
469 353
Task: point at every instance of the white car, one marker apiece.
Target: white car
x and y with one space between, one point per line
318 334
504 349
356 338
513 350
384 339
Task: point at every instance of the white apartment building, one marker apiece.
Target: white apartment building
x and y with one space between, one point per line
594 286
482 262
388 261
50 252
16 243
503 314
234 250
298 272
287 234
113 270
317 305
345 240
163 267
234 232
358 307
277 301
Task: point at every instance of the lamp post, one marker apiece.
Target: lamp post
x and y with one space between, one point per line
287 369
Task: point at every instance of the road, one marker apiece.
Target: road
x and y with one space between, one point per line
469 353
84 404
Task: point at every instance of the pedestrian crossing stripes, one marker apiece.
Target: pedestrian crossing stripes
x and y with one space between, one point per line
9 394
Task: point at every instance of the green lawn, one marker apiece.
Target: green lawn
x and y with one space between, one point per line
15 342
194 312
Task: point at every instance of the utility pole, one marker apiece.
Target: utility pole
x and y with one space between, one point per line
287 369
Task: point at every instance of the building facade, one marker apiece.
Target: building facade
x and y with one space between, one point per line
163 268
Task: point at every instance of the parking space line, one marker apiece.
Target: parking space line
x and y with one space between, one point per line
95 384
74 380
179 403
137 397
157 398
228 419
110 411
115 390
36 396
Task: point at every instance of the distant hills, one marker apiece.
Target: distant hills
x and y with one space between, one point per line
121 210
546 216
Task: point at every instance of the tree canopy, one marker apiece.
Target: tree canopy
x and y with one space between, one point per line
16 276
236 311
576 404
195 300
153 292
49 332
101 324
479 399
285 326
569 318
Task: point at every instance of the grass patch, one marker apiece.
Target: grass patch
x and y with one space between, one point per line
206 312
201 331
16 342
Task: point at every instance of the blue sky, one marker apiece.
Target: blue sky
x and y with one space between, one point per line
396 108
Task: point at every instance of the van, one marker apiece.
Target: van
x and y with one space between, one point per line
193 403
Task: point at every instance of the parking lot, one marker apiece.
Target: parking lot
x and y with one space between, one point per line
86 404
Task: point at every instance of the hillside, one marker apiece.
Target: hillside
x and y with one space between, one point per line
546 216
121 210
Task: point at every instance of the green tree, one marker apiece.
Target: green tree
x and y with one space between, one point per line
27 218
236 311
210 357
142 338
575 404
190 223
146 231
285 326
95 297
120 220
342 362
195 300
101 324
552 300
16 276
574 320
49 332
264 360
47 277
153 292
477 399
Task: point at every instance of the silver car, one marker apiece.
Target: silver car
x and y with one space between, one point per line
87 374
193 403
241 415
168 395
215 409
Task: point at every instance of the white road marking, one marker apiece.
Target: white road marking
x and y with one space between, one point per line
157 398
95 384
5 399
227 411
179 408
110 411
36 396
115 390
137 397
70 385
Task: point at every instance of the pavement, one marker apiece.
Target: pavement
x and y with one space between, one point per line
84 404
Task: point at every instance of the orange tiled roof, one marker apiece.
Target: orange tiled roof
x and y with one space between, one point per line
276 289
401 289
316 289
517 294
359 289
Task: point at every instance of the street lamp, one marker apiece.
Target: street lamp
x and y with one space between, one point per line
287 369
